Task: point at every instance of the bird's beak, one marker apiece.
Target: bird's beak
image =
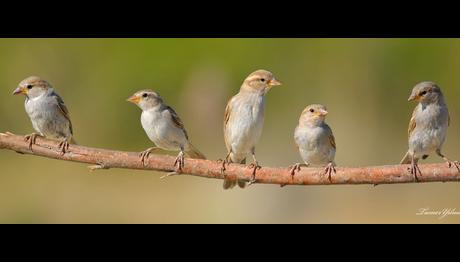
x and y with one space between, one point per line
413 97
134 99
20 90
322 112
274 82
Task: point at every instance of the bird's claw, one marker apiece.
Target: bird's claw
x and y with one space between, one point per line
64 146
413 170
179 163
31 139
294 168
144 155
254 166
454 164
330 168
223 167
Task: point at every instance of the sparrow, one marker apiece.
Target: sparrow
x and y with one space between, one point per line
47 112
427 127
315 140
243 122
164 128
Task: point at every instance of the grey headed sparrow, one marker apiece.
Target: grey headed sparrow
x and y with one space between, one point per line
164 128
47 112
243 122
315 140
427 127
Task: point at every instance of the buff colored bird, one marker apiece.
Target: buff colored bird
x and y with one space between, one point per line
164 128
47 112
243 122
427 127
315 140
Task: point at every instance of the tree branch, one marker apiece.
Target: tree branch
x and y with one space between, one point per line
105 159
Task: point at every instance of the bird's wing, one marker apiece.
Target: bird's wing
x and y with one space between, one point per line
412 123
330 136
332 140
176 120
63 109
228 110
448 119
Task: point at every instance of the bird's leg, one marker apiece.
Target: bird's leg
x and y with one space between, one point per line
31 139
255 166
144 155
329 169
64 146
225 162
450 163
414 169
180 161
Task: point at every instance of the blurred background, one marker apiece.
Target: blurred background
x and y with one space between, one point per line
364 83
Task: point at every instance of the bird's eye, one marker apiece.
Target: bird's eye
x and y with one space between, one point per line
262 79
312 110
423 93
29 86
145 95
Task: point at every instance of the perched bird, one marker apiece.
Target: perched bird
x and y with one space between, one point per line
46 109
427 127
164 128
243 121
315 140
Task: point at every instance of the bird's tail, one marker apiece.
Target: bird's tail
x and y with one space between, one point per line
406 159
73 141
194 153
231 183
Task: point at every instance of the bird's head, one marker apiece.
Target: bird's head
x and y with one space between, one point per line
425 92
314 114
261 81
146 99
32 87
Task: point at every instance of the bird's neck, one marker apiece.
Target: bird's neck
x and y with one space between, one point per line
311 123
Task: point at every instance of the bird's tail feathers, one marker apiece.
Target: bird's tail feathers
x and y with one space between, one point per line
73 141
231 183
406 159
193 152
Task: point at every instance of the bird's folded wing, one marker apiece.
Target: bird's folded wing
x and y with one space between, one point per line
412 124
332 140
63 109
176 120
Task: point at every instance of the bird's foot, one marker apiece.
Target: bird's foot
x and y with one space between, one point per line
31 139
63 146
328 170
296 168
179 163
144 155
254 166
414 170
453 164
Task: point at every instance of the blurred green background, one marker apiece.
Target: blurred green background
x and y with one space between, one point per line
363 82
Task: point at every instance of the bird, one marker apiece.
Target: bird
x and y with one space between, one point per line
47 112
164 128
427 127
243 122
315 140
